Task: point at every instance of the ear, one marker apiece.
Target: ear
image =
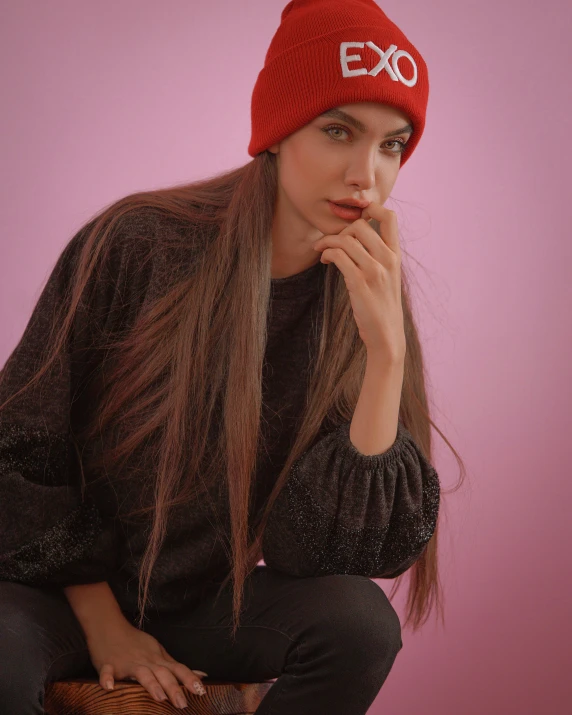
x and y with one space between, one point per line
274 149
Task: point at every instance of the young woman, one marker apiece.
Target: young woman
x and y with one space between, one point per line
227 371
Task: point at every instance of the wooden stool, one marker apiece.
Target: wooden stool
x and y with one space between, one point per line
85 696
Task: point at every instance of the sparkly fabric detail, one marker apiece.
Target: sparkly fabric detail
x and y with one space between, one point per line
69 540
369 551
44 527
307 539
33 477
33 453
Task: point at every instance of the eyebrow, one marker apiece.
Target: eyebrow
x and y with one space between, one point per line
344 116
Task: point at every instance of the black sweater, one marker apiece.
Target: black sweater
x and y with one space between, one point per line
340 512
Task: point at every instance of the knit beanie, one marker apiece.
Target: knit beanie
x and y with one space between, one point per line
327 53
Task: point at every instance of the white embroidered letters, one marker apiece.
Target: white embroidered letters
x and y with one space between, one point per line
392 71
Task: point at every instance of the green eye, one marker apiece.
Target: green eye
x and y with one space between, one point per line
401 143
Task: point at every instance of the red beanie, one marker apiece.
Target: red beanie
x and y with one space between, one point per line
327 53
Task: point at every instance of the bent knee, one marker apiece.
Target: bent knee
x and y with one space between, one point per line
354 612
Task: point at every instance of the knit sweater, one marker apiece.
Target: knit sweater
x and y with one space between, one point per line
340 511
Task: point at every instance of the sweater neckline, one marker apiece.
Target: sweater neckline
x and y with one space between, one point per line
307 282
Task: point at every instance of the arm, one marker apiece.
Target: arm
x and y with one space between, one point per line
344 511
95 607
373 427
51 533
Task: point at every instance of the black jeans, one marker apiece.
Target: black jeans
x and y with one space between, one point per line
330 641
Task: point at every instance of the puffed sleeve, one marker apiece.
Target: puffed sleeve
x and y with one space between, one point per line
344 512
51 533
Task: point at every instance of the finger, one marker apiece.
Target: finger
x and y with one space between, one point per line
106 678
388 224
351 273
374 243
148 680
171 685
352 247
374 210
188 676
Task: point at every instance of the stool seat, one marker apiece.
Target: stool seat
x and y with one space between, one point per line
85 696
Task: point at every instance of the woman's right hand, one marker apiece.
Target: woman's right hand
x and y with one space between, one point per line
127 653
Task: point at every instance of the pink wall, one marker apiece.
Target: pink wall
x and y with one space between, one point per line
103 98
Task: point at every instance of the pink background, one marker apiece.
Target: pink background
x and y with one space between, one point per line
104 98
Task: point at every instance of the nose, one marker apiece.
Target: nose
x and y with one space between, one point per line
362 169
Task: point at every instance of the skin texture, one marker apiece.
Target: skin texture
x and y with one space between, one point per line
314 166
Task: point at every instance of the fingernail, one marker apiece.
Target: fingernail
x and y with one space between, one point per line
199 687
109 684
180 700
200 672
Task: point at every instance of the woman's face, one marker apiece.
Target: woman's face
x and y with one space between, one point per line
331 159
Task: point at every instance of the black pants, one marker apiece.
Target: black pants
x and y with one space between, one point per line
330 641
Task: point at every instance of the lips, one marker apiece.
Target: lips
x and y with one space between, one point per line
348 213
349 202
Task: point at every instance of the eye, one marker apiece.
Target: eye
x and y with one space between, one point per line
333 127
400 142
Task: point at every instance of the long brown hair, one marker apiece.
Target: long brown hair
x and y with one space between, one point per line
206 335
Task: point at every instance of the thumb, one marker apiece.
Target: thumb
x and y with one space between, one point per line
106 679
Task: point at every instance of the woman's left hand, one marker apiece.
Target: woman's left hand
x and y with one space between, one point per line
371 266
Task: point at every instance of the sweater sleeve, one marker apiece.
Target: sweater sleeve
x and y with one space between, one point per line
51 533
344 512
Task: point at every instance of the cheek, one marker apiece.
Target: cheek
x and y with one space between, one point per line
308 172
301 179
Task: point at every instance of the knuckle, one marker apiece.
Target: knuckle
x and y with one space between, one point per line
377 271
187 676
143 674
161 668
183 672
